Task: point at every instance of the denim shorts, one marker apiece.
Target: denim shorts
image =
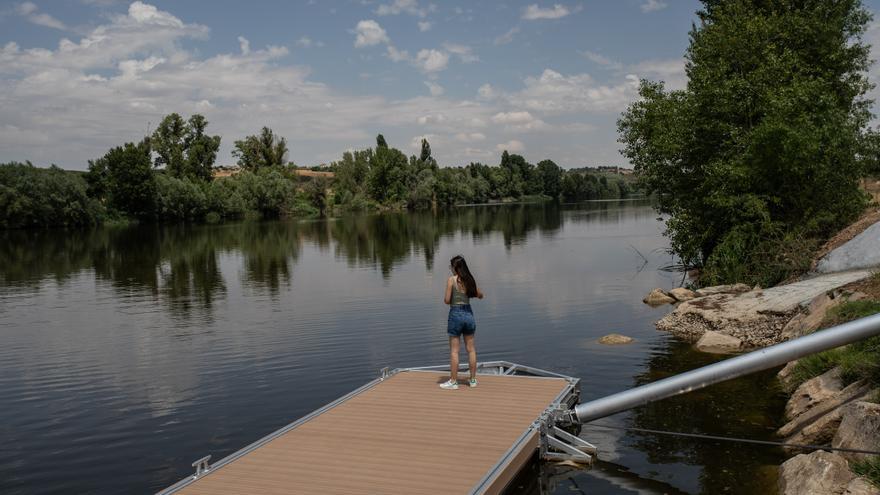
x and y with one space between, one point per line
461 320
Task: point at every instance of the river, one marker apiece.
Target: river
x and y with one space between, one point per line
127 353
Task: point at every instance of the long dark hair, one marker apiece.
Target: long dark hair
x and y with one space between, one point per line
460 268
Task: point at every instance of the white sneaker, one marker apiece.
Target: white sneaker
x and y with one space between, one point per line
472 383
449 385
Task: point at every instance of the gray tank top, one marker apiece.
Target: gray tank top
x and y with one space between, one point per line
458 297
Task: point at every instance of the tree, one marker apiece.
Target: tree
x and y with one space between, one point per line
380 141
550 176
265 150
130 183
426 151
183 148
763 143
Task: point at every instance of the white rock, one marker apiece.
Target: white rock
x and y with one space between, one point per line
658 297
813 474
615 339
859 429
682 294
860 486
718 343
813 392
724 289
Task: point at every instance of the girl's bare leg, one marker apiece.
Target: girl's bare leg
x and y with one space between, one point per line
472 355
453 358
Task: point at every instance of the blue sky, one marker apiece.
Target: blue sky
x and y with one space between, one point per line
547 79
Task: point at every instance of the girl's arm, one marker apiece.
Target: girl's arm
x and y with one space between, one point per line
479 293
447 298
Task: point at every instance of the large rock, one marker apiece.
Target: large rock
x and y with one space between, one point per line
658 297
718 343
723 289
682 294
813 392
859 429
818 424
806 323
615 339
860 252
860 486
818 473
785 373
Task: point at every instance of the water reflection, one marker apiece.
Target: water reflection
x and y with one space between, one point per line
179 265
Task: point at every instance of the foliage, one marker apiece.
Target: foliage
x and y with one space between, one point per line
857 361
124 179
869 468
766 137
265 150
180 199
184 148
38 197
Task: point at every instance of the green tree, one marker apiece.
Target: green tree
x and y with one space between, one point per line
131 185
550 176
265 150
763 142
183 148
380 141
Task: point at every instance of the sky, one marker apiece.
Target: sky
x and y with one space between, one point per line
545 80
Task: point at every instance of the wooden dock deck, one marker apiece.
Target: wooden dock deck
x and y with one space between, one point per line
401 434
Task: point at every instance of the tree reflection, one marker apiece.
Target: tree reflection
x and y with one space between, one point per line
180 265
746 407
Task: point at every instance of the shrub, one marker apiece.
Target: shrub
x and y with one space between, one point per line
39 197
869 468
180 199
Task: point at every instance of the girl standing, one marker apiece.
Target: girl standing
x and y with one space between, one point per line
460 288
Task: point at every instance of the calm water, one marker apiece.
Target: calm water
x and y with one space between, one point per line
125 354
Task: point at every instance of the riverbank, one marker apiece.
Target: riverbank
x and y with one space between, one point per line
835 395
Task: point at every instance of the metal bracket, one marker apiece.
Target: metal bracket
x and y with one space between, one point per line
201 466
384 373
560 445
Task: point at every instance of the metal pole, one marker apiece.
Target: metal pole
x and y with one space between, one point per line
731 368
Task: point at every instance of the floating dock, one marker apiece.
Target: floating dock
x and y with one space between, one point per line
402 434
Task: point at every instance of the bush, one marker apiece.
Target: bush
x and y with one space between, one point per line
869 468
268 191
223 197
180 199
39 197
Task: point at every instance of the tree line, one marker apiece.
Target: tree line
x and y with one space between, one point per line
169 176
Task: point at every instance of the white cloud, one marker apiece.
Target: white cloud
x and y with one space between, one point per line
397 55
486 92
431 60
307 42
670 71
470 137
424 26
519 121
244 44
463 52
369 33
511 146
555 93
506 37
432 119
28 10
652 5
410 7
602 60
434 88
533 12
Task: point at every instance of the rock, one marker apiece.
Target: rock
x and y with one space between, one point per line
784 374
658 297
724 289
860 486
682 294
859 429
812 392
718 343
818 425
807 323
615 339
817 473
857 296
